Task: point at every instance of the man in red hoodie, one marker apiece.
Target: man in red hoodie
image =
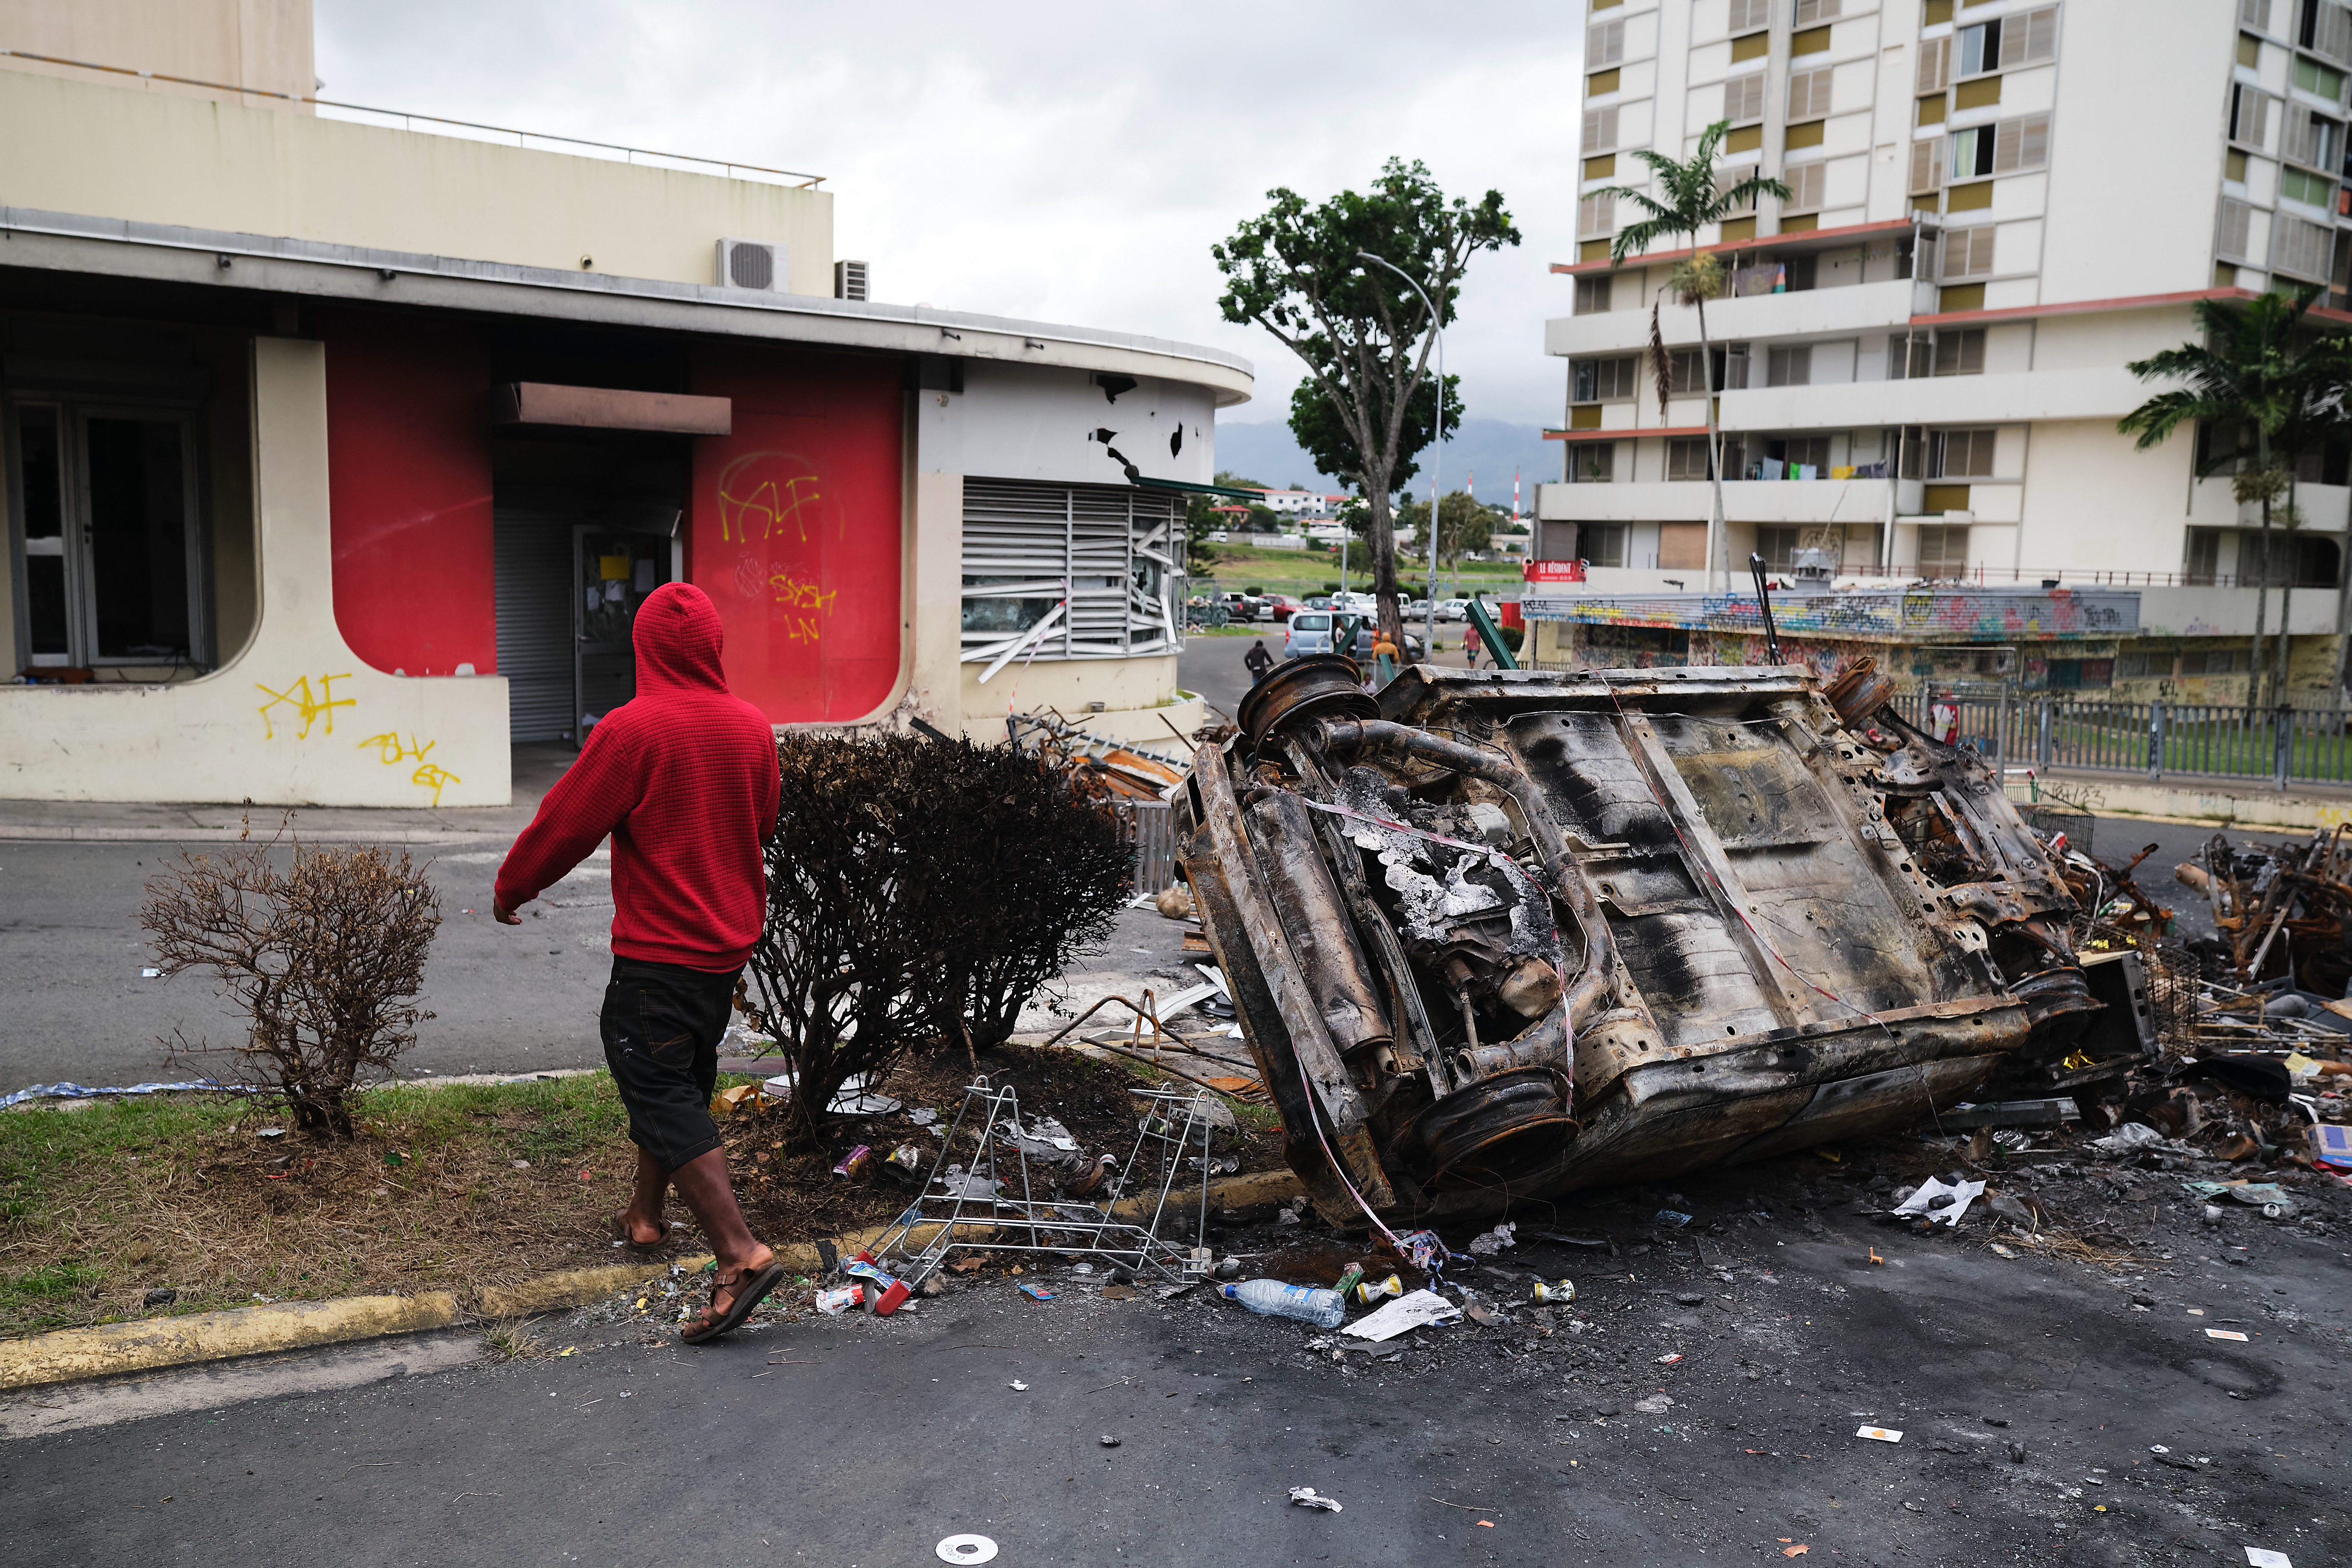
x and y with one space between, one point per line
683 777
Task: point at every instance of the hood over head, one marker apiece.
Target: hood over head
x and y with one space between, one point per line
679 637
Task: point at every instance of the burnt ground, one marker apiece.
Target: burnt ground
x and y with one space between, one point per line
1537 1440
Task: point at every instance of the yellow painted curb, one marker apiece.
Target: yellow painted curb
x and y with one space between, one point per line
113 1348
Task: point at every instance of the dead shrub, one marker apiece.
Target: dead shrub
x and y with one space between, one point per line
321 958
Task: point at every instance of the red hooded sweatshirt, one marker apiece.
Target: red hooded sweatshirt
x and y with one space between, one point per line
683 777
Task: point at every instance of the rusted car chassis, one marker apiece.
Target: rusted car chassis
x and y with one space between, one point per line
1499 936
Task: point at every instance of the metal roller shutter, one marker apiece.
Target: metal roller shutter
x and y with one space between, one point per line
533 552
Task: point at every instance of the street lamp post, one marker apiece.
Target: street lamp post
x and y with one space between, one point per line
1437 448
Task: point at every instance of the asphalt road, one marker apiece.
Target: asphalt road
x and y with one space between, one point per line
2144 1441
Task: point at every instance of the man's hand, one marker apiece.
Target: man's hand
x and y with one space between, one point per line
503 915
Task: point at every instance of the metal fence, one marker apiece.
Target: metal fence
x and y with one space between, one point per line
1151 827
2280 745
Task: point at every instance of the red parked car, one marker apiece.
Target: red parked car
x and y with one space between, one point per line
1281 604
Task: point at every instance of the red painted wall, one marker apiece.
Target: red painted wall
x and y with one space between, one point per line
408 488
796 531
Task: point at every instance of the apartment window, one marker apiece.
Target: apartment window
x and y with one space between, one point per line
1960 454
112 555
2311 138
2312 190
2249 115
1928 166
1943 550
1605 380
2254 13
1792 457
1805 182
1809 94
1968 252
1600 543
1743 99
2327 29
1748 15
2233 229
2200 561
1909 356
1592 294
2318 81
1776 545
1980 48
1592 463
1596 215
1605 45
2021 144
1971 154
1935 66
1791 367
1959 353
1811 11
1686 458
1686 373
1727 178
2300 247
1600 129
2081 674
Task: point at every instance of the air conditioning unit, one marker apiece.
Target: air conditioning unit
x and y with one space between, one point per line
754 264
849 280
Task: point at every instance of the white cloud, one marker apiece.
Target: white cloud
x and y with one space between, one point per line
1061 161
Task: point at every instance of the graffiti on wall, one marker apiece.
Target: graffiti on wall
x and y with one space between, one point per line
804 604
391 751
308 708
749 501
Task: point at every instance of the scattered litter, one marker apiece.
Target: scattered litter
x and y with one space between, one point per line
924 1117
1545 1290
1795 1549
1670 1358
966 1549
1655 1405
2226 1335
854 1162
1403 1314
2263 1557
832 1303
1037 1293
2010 1113
1670 1219
1940 1201
1306 1497
1494 1241
1018 1386
1273 1299
79 1092
1483 1315
1109 1440
1878 1434
2129 1137
151 974
2000 1251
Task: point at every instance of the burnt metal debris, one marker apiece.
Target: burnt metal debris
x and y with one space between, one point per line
1497 935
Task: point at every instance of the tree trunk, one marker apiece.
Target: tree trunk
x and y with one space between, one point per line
1719 549
1384 578
2261 578
2286 603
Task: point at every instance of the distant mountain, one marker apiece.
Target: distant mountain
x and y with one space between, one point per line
1486 450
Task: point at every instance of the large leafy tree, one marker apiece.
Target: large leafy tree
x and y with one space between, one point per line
2271 391
1363 334
1689 195
1463 526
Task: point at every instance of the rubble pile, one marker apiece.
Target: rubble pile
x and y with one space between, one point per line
1097 766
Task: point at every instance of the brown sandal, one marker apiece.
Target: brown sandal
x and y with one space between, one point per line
749 1289
642 1248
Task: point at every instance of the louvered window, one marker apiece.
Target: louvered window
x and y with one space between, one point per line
1605 45
2232 237
2330 30
1935 64
1727 178
1600 129
2254 13
2312 140
1595 216
1808 95
1928 166
1804 182
2250 116
1743 99
2028 37
1097 561
1968 252
1811 11
2300 247
1746 16
2021 144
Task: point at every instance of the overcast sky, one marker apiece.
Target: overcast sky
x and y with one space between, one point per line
1065 163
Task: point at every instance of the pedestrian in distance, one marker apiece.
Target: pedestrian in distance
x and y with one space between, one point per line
683 777
1470 646
1258 660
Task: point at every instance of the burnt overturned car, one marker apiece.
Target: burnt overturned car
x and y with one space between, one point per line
1497 935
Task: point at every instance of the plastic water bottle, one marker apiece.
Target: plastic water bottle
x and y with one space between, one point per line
1324 1308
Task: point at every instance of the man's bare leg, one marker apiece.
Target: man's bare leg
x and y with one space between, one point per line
702 1182
643 1215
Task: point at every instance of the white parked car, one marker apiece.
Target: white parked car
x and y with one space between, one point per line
1453 609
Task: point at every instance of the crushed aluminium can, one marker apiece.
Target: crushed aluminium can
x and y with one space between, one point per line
832 1303
1355 1271
1368 1292
1559 1294
855 1160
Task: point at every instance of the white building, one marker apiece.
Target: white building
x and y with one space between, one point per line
1994 207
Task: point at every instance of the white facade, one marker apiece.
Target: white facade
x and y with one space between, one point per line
1993 207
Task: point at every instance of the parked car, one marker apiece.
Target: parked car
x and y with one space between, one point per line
1238 606
1318 601
1309 632
1416 611
1453 609
1367 636
1282 606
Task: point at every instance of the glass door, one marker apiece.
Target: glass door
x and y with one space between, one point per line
612 570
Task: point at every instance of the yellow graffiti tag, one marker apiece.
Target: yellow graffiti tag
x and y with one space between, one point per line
433 778
792 595
768 508
310 708
391 751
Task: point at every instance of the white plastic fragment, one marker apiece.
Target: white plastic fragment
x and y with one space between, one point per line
1406 1313
1878 1434
1307 1496
1928 1190
966 1549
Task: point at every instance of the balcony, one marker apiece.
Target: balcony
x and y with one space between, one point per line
2015 399
1849 311
1744 501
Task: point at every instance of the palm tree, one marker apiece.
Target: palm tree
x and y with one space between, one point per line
1690 198
2257 371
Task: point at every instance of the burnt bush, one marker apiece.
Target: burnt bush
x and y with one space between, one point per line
918 892
321 957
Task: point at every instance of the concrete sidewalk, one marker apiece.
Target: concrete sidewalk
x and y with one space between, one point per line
536 768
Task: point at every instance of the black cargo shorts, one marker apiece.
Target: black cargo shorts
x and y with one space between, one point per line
662 1024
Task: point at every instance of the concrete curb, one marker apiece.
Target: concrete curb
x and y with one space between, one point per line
68 834
69 1355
